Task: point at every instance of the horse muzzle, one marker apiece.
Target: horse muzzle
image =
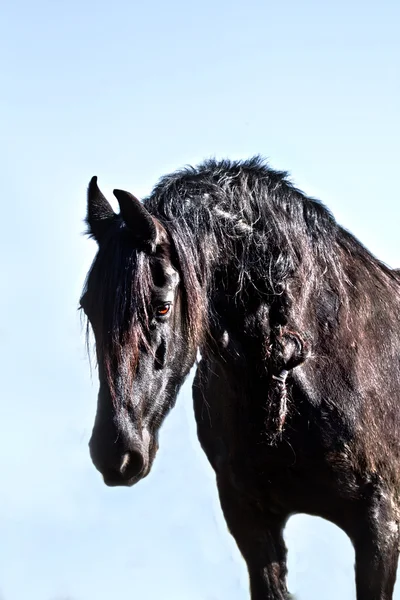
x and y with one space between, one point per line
123 462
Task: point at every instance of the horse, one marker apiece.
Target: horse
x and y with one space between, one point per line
294 327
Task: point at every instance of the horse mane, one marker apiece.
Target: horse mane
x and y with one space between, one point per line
251 225
246 214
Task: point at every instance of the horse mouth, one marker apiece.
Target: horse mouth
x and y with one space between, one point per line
118 480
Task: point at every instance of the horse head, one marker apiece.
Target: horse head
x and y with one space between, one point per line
133 302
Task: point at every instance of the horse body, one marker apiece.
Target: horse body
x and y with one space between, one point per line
297 394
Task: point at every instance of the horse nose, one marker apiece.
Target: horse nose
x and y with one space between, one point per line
124 470
119 465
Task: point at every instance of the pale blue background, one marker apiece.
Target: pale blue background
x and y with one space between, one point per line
130 90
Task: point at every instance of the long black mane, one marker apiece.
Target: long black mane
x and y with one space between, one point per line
243 230
247 216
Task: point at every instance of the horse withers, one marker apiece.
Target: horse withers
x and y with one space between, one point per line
297 394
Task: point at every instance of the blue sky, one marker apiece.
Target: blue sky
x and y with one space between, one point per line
130 91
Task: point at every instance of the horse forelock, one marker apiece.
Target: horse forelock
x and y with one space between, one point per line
117 300
118 297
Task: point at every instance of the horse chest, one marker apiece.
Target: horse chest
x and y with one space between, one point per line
263 477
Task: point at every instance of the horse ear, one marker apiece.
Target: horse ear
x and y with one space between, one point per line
99 211
138 220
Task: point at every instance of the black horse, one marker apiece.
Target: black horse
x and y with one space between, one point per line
297 393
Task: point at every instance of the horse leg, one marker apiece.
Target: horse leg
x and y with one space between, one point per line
376 542
259 536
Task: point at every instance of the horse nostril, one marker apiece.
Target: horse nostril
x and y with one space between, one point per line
124 462
132 464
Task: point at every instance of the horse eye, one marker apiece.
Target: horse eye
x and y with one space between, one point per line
163 309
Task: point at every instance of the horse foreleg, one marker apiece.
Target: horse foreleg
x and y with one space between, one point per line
259 536
376 541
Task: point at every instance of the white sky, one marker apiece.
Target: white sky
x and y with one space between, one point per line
129 91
